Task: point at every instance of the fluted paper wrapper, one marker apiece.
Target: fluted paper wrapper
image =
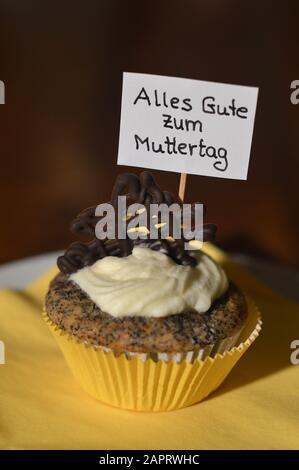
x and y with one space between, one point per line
155 382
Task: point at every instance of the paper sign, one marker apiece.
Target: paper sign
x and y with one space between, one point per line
1 92
186 126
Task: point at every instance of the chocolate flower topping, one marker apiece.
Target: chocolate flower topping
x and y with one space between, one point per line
143 190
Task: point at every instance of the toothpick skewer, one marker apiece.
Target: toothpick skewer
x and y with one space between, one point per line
183 181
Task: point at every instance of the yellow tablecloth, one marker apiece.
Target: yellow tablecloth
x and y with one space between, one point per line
42 407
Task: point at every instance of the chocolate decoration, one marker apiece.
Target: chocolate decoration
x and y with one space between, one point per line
127 183
85 222
143 190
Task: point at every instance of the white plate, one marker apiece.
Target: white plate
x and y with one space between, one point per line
283 279
19 273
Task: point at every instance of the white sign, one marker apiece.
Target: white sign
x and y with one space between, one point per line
186 126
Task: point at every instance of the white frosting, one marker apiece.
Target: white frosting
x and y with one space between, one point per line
149 283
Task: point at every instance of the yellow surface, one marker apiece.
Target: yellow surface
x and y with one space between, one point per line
43 407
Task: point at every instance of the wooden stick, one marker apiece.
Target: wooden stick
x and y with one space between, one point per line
183 181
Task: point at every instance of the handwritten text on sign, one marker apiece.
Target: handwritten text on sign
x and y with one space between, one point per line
186 126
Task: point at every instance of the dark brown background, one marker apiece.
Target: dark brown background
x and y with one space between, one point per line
62 64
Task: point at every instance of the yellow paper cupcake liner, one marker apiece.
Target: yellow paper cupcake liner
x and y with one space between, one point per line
144 383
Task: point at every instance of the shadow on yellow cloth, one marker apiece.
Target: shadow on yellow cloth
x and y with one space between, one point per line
42 406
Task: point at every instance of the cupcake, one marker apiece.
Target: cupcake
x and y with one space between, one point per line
146 324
